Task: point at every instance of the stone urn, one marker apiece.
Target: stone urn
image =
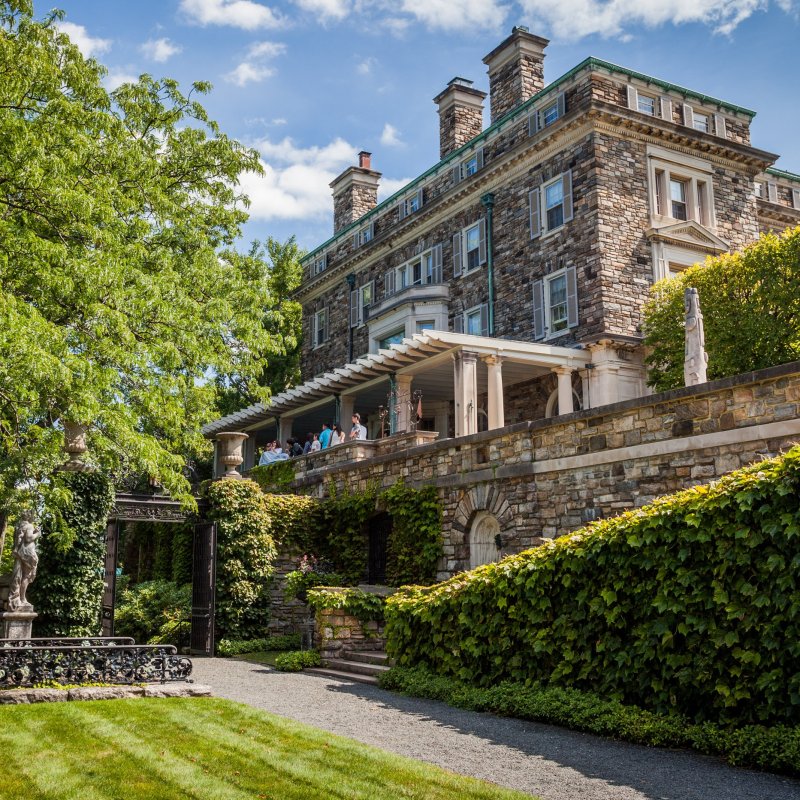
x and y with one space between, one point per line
230 452
75 446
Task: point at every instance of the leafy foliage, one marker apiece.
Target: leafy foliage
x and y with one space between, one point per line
415 544
236 647
294 521
310 572
245 557
153 612
273 478
690 604
297 660
751 311
364 606
68 589
776 749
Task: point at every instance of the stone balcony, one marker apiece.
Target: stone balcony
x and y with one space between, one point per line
425 293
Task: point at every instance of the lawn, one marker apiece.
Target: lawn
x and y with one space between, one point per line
261 656
209 749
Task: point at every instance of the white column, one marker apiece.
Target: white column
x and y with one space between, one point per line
347 408
565 404
458 395
496 411
441 421
469 391
284 430
404 414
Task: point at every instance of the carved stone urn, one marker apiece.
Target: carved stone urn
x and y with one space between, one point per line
75 446
230 452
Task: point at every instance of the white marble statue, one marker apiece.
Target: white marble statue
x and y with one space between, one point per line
26 560
695 359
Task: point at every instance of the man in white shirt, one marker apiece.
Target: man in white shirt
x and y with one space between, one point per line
358 431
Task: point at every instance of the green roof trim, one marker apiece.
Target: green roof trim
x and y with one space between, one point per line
782 173
588 63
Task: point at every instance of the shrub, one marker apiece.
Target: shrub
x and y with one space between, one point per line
297 660
226 647
364 606
153 612
245 556
310 572
68 589
776 749
689 605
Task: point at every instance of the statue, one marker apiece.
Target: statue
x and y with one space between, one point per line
695 357
26 560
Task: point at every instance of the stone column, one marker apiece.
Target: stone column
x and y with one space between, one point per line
457 395
346 409
467 414
403 401
230 448
284 429
565 403
496 411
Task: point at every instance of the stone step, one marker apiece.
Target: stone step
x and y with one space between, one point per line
326 672
366 656
356 667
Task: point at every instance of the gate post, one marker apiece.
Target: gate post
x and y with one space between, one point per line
204 563
110 578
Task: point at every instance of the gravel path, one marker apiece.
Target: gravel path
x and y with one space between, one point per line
543 760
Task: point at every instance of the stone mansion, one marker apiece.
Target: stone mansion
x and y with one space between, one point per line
506 283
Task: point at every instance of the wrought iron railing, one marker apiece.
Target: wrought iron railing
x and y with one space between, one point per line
68 641
27 663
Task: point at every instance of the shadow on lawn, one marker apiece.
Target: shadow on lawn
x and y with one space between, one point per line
659 774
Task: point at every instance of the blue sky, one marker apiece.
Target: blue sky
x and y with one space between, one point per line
309 83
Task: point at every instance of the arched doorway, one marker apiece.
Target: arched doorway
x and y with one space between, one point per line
483 537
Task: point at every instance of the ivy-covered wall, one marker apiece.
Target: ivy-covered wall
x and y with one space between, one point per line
68 589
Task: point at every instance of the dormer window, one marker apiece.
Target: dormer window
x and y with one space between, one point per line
410 205
364 235
469 166
646 104
701 122
320 264
547 115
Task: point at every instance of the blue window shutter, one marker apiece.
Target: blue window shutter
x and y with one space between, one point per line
567 185
538 309
456 255
456 172
533 200
572 298
562 104
482 241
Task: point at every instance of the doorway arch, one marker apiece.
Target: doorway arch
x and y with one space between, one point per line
484 536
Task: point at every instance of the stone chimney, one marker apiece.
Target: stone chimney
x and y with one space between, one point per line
355 192
516 71
460 115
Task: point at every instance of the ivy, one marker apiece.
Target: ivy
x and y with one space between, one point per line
68 589
275 477
364 606
689 605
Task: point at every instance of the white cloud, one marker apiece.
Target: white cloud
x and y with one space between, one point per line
279 121
116 78
326 9
160 50
388 186
365 67
457 14
90 46
236 13
248 73
391 136
574 19
266 49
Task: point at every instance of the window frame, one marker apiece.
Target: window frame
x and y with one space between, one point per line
317 343
320 264
698 176
549 280
652 98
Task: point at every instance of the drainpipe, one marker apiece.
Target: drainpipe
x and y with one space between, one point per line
351 282
488 204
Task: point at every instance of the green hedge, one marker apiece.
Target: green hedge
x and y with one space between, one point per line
776 749
68 589
690 604
297 660
226 647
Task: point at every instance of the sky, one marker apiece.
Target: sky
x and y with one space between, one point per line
309 83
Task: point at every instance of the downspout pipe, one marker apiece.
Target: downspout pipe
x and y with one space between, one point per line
351 282
488 204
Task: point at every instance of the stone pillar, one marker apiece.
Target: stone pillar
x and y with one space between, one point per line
457 395
441 420
284 429
467 408
496 411
565 403
403 384
230 448
347 408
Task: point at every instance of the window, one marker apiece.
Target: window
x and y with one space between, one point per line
701 122
469 248
652 105
551 205
677 197
646 104
547 114
681 187
469 166
420 271
425 325
550 114
320 264
474 321
320 327
364 235
759 189
555 304
410 205
392 338
360 301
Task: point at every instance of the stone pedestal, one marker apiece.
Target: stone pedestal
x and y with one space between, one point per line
18 624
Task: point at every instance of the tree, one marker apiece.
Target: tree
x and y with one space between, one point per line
751 311
121 295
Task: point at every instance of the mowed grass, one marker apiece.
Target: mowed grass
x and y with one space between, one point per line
261 656
203 748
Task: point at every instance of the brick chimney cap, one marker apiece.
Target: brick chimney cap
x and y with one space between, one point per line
364 159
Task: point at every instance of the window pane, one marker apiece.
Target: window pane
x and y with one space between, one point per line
392 338
418 272
550 114
647 105
427 268
677 193
427 325
558 303
471 166
474 322
554 194
701 122
472 238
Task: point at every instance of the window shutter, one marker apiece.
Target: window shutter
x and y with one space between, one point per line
324 261
572 298
456 171
371 231
772 192
436 276
485 319
533 124
633 100
567 185
420 197
324 324
456 255
354 309
538 309
562 104
796 198
482 241
533 200
356 240
388 283
401 207
688 115
720 126
479 154
458 323
666 109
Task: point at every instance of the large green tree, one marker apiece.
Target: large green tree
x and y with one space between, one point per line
121 294
751 311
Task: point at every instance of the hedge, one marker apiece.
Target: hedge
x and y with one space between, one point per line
776 749
688 605
226 647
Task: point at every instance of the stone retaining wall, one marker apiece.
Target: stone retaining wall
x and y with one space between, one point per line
337 631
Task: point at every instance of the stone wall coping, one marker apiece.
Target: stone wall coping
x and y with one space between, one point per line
27 696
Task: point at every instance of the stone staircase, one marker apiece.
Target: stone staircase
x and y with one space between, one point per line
359 666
